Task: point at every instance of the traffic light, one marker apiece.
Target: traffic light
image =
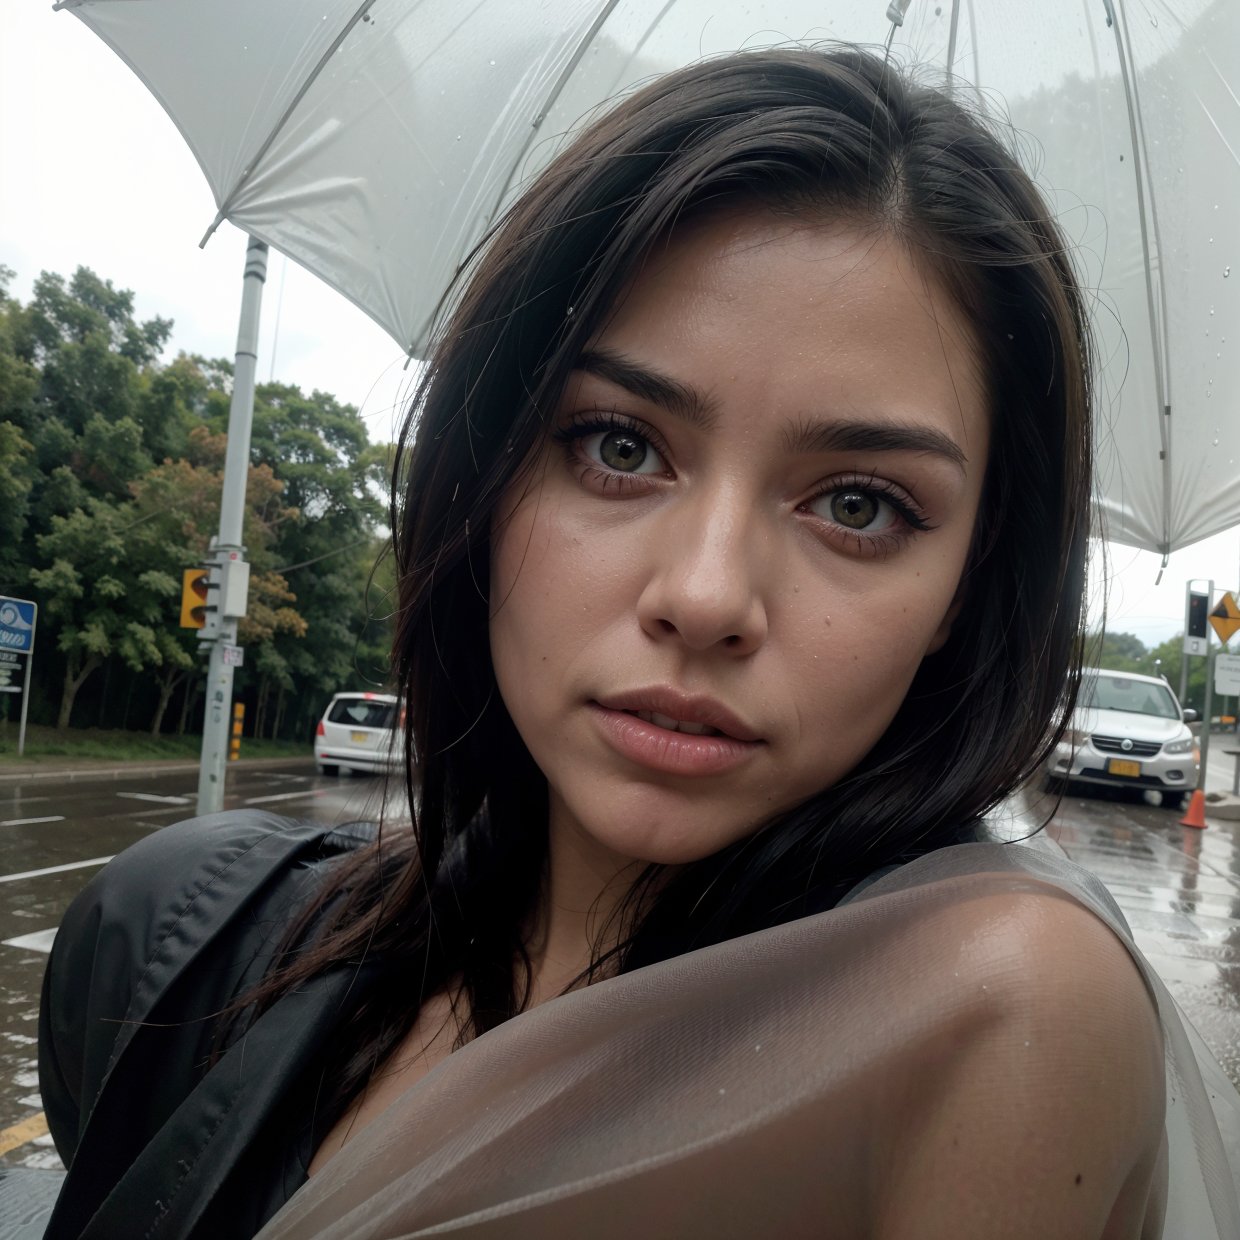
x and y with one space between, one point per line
194 598
1198 609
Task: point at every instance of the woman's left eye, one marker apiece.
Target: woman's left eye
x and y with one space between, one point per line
624 451
857 509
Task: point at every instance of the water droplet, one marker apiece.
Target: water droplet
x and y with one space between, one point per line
1121 159
1211 311
1226 272
458 138
1216 443
493 66
1154 22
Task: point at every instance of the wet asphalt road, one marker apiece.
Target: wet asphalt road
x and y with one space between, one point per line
1179 888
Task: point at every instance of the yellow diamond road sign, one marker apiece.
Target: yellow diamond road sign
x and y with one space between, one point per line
1226 617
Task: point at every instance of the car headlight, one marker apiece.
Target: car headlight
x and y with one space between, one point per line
1184 746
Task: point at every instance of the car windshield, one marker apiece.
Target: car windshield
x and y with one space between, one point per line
362 713
1137 696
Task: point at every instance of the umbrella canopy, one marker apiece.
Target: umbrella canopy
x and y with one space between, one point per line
376 141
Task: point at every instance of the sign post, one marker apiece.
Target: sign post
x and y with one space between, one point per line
1224 620
229 574
18 619
1196 634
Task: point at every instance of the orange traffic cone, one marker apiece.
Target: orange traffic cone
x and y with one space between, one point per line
1195 815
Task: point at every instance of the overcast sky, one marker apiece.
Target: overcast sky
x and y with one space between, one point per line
92 172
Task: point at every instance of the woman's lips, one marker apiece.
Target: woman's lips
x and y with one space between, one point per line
662 749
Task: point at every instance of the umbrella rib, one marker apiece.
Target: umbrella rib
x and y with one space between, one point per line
554 93
541 115
1155 299
311 77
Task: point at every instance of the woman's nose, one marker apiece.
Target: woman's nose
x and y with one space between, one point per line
705 585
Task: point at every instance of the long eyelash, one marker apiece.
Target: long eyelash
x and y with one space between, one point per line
899 500
591 421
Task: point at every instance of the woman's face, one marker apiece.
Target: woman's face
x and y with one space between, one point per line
711 596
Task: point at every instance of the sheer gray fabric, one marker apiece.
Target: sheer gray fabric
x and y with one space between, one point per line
704 1095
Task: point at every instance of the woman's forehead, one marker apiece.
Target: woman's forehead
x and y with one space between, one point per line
796 318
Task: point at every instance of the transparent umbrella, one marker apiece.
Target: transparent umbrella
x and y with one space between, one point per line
376 142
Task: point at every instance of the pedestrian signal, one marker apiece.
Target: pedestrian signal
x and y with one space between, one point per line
194 598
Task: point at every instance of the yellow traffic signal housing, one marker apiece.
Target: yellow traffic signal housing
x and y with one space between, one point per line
194 598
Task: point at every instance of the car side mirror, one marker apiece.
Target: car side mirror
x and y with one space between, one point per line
1189 715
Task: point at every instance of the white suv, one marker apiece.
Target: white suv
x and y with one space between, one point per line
1127 731
359 732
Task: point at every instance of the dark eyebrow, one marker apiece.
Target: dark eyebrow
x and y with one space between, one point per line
873 437
677 398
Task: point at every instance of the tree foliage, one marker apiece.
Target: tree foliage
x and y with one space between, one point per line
111 467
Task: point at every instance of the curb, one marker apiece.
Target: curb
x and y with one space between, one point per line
134 769
1226 808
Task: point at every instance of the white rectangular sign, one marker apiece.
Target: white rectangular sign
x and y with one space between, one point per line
1227 674
234 656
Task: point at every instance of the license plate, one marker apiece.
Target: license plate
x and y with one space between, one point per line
1123 766
360 738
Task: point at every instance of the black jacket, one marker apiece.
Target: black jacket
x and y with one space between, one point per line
165 936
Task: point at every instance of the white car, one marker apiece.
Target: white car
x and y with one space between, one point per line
359 732
1128 731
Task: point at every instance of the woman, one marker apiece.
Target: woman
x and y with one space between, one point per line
741 535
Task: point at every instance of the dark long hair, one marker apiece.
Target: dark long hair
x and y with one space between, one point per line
836 132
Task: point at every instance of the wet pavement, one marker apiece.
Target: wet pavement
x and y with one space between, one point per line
1178 887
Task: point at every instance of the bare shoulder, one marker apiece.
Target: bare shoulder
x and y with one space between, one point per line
1039 1110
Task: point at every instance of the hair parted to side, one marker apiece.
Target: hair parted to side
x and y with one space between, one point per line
835 132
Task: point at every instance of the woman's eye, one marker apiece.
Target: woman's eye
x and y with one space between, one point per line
626 452
855 509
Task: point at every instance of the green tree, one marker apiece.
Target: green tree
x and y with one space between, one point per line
101 599
19 385
335 479
1121 652
176 507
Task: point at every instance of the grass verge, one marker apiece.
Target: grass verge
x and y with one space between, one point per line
44 744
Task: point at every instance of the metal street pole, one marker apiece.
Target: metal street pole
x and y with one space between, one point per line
1205 722
229 571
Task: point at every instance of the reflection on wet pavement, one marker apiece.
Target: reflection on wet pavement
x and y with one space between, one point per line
1179 888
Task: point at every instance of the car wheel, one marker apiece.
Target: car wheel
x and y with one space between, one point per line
1173 800
328 768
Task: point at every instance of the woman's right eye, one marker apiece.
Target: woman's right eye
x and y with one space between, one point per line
622 451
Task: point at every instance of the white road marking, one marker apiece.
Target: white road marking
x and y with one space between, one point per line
39 941
27 822
54 869
284 796
151 796
18 797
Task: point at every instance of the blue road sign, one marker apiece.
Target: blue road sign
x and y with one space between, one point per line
17 617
